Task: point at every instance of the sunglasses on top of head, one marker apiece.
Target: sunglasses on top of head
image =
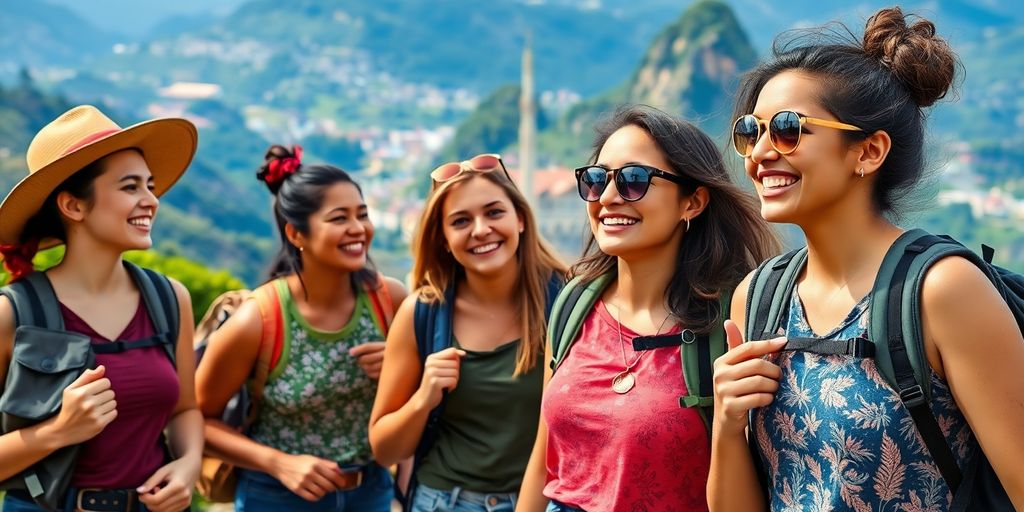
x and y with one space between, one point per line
631 181
481 164
784 131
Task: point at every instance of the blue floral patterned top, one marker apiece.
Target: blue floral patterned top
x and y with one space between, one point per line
837 436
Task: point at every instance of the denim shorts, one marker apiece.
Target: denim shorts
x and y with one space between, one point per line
428 499
555 506
19 501
260 492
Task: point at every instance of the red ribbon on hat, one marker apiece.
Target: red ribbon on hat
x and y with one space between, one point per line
18 258
281 168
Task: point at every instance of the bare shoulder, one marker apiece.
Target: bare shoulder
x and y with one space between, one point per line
396 289
951 281
738 309
184 298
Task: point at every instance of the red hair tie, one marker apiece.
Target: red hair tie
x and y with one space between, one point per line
18 258
281 168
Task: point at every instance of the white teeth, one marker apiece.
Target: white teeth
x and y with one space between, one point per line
355 246
618 221
141 221
777 181
484 248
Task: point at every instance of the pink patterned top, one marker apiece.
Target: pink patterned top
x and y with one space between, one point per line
638 451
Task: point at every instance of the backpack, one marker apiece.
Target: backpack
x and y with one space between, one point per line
896 342
697 351
46 359
432 323
217 478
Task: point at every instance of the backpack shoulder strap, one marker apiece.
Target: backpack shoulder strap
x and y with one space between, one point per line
432 323
161 304
698 354
383 306
896 331
769 293
34 302
568 312
269 303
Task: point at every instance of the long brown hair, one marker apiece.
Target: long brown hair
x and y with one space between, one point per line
725 242
435 269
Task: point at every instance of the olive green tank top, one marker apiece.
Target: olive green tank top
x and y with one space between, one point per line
488 426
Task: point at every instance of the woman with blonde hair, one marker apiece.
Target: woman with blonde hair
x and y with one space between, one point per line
471 340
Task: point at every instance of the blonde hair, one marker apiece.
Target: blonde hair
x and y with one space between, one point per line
435 269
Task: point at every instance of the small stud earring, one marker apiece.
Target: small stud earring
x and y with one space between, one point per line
861 172
301 249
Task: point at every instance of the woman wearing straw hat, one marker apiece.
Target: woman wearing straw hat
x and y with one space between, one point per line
93 186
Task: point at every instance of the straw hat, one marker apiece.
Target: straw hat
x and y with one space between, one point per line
81 136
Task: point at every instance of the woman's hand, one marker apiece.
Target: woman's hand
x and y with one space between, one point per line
308 476
87 407
743 379
370 357
170 487
440 373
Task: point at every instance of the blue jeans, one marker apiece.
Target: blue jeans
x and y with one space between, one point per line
556 506
428 499
260 492
19 503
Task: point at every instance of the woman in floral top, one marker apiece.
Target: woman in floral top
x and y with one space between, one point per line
845 142
308 449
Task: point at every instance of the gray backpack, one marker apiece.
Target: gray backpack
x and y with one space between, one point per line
46 359
896 342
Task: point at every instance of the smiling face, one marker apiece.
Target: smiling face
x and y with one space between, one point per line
481 226
340 231
816 177
653 223
122 207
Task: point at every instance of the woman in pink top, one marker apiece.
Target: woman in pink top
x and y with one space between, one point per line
94 187
675 231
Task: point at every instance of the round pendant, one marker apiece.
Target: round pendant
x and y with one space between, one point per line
623 382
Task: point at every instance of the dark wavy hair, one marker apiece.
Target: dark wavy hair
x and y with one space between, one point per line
296 197
880 83
722 245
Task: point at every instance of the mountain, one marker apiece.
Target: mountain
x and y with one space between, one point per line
38 32
691 69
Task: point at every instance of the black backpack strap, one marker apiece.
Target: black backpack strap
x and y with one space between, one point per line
161 304
432 323
34 302
854 347
768 296
896 322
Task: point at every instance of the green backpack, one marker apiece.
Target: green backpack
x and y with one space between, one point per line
895 341
697 351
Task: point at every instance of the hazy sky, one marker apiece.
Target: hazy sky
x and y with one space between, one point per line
127 17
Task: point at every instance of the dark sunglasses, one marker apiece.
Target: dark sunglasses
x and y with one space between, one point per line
784 131
631 181
481 163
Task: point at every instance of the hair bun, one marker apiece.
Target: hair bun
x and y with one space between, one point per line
279 163
917 57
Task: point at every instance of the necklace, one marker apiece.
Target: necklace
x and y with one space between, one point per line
625 380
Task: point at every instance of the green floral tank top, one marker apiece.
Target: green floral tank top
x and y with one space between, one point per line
317 399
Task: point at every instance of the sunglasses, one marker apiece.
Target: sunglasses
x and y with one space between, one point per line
480 163
631 181
784 131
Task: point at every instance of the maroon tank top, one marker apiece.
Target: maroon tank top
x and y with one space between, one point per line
130 449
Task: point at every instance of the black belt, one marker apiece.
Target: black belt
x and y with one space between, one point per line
94 500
